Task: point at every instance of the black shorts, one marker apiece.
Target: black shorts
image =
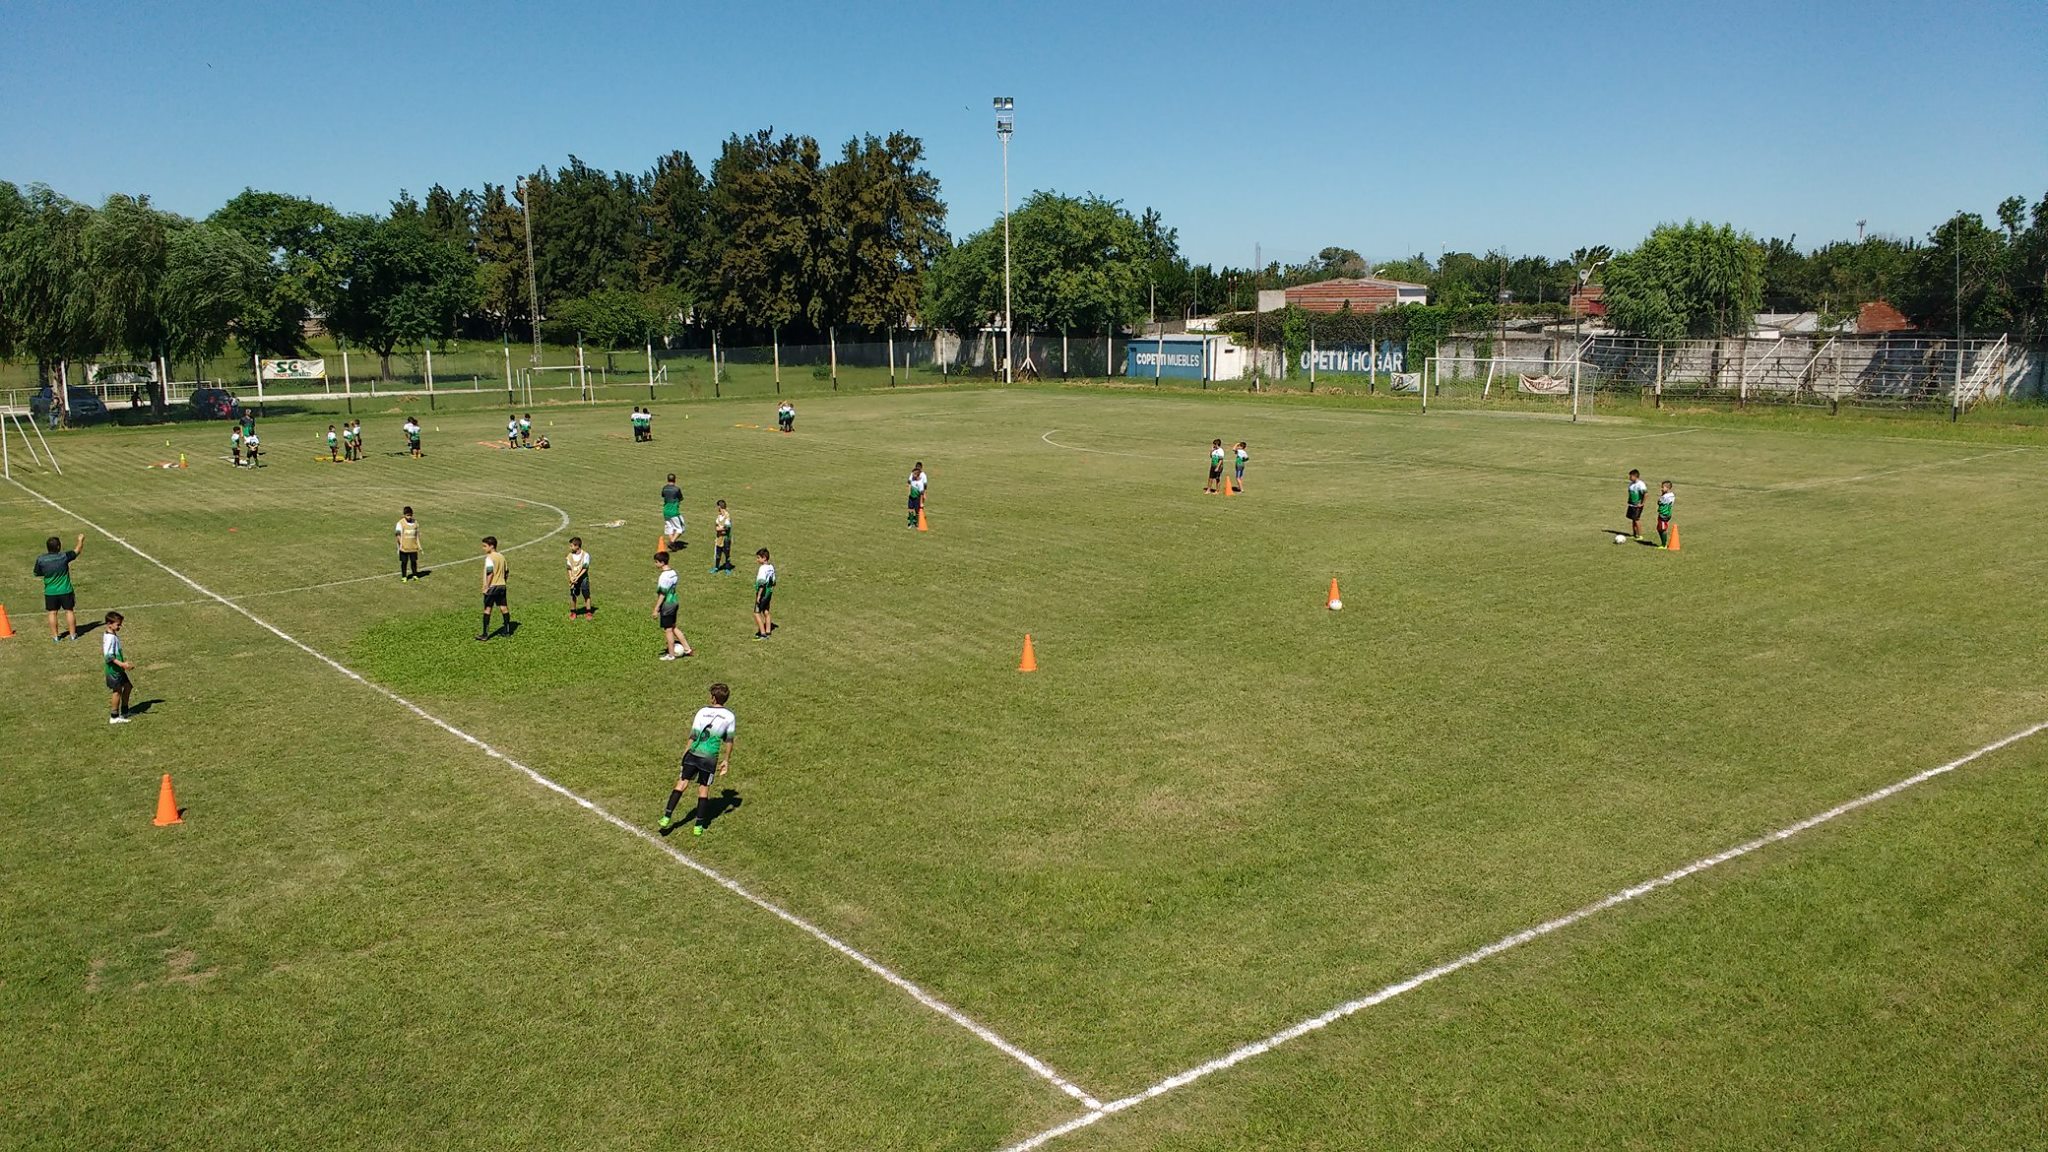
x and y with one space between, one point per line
698 769
916 502
668 617
762 600
1215 471
581 588
118 681
63 601
494 597
1635 512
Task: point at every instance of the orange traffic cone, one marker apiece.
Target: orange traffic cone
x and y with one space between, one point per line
1336 601
661 544
921 525
166 804
6 629
1674 538
1030 661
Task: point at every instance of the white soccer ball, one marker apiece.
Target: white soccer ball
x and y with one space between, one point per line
676 649
1620 539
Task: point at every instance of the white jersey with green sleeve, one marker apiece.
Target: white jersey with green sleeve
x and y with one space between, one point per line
1637 490
712 727
1665 502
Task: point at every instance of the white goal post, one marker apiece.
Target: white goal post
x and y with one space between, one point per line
1506 381
21 428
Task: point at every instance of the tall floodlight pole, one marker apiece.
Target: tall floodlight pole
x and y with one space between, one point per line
532 285
1006 109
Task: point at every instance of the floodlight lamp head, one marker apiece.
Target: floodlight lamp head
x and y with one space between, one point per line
1006 109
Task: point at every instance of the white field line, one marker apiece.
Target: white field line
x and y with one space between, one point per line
1303 1028
211 598
1648 435
980 1031
1803 484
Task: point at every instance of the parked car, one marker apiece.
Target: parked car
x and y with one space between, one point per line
215 404
83 404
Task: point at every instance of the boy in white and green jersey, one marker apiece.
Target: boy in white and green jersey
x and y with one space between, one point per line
1667 501
709 754
1215 468
117 666
333 446
1637 493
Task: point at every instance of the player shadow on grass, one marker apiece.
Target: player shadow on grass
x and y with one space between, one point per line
1645 541
141 706
88 626
726 800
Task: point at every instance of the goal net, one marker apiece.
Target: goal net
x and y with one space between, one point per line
1530 383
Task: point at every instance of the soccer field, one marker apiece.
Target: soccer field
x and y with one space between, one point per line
1217 810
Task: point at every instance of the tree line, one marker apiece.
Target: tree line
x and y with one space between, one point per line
777 241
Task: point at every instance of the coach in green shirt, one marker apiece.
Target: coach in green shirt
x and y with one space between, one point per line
53 567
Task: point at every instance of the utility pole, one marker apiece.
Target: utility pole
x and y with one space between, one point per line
1006 109
532 285
1955 401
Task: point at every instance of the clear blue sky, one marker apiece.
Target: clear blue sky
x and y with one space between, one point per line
1387 128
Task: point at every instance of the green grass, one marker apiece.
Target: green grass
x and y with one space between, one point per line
1217 809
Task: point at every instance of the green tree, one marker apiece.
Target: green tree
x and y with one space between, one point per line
398 284
1961 270
674 245
1077 264
45 285
614 318
297 237
885 225
1686 280
213 280
584 227
766 221
1844 275
501 261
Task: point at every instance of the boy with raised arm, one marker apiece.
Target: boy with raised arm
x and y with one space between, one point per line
54 568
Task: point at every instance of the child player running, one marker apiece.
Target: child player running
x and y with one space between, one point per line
709 754
1244 456
764 596
721 538
672 514
1215 467
1666 501
1637 493
667 604
578 564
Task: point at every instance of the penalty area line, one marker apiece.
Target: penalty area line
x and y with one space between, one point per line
1302 1028
980 1031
